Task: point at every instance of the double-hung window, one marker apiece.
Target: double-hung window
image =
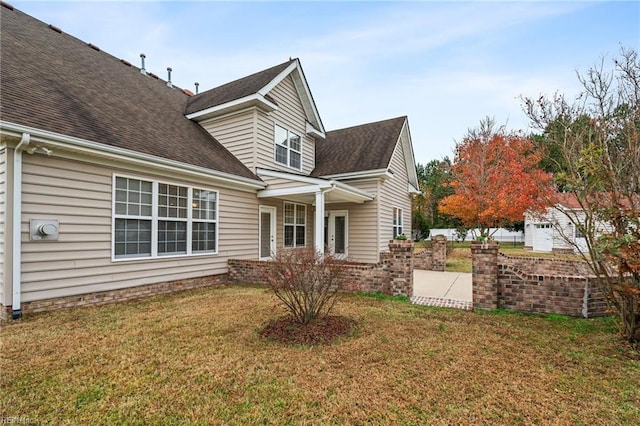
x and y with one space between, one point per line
397 222
172 219
153 219
295 221
288 148
133 218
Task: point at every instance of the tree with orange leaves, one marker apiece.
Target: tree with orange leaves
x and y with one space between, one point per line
496 178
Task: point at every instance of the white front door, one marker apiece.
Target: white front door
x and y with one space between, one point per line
267 231
336 232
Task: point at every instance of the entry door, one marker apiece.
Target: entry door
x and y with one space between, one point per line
337 232
543 237
267 232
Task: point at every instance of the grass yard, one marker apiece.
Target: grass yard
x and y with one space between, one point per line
197 357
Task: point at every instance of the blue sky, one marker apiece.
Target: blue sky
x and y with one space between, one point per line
445 65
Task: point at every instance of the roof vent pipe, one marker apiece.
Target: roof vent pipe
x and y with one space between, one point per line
169 84
142 70
197 85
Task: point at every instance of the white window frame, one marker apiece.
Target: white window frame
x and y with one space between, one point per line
287 147
295 224
155 219
396 221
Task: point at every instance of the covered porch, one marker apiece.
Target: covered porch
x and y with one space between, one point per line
300 210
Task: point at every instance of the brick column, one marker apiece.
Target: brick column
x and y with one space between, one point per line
439 247
401 267
485 274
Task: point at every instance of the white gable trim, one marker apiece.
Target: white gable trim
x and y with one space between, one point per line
283 74
409 158
347 192
253 100
312 131
364 174
302 87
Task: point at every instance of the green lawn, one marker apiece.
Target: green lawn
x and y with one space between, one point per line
197 357
459 257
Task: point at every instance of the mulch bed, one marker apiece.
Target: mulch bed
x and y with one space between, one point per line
323 330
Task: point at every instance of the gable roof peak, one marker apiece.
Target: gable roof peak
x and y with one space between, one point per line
253 90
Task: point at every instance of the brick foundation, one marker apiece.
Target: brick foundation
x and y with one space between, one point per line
534 284
114 296
393 275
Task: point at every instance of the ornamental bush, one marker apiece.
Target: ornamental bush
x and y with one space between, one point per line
306 281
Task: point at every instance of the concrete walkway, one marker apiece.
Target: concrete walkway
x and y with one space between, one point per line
445 289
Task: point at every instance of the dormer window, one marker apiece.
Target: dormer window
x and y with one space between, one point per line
288 148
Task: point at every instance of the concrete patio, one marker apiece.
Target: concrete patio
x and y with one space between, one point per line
443 289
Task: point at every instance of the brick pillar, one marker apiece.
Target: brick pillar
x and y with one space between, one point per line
485 274
439 248
401 267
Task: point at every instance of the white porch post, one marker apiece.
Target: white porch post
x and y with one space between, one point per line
319 228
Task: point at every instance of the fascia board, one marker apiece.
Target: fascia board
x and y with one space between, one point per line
255 99
413 190
283 175
86 147
283 192
315 132
316 184
409 157
377 173
283 74
358 193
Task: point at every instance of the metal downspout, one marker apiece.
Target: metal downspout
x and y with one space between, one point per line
16 310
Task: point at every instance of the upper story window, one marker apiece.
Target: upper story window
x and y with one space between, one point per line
153 219
288 148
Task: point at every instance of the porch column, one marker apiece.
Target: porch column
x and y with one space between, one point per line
319 223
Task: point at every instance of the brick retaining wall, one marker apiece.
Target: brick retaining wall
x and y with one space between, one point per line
534 284
393 275
433 258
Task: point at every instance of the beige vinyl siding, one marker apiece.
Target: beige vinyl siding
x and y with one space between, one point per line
280 183
363 223
79 196
236 132
265 150
290 115
3 218
362 234
394 193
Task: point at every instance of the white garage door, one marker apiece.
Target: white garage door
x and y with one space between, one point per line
543 237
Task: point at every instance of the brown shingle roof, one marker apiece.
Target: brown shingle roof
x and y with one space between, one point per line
55 82
359 148
236 89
